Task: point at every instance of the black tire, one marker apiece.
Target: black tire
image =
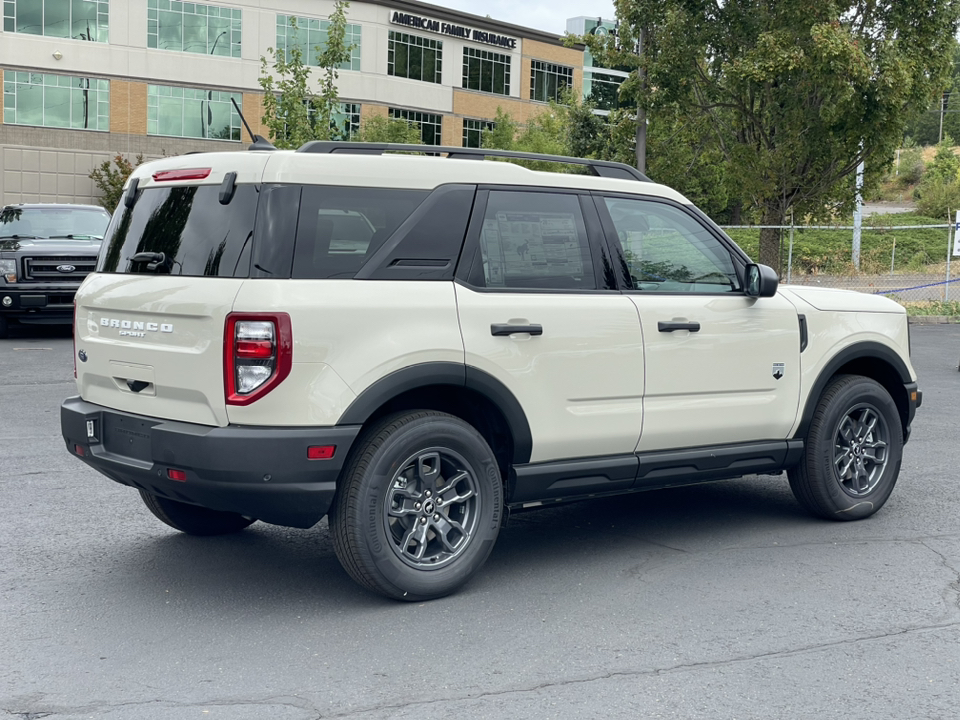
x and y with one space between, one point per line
419 506
853 451
193 519
4 327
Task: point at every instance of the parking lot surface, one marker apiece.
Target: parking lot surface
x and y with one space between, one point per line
716 601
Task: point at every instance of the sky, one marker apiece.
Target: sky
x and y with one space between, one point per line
538 14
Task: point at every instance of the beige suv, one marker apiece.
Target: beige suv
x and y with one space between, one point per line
417 345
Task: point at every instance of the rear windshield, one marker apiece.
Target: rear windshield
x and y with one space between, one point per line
53 222
195 233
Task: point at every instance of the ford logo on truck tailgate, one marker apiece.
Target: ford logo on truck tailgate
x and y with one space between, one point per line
66 268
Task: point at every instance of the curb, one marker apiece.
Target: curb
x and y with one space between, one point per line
933 319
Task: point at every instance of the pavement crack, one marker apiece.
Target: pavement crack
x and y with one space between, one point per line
953 587
652 672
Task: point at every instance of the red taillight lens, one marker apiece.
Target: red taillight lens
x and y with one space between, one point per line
321 452
184 174
258 355
177 475
80 450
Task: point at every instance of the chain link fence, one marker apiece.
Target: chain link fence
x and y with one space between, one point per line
912 264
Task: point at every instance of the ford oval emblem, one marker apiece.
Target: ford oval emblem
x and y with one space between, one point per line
65 268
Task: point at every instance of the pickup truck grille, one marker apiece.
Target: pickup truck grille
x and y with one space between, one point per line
44 268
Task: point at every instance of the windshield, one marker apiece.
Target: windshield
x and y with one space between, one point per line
53 222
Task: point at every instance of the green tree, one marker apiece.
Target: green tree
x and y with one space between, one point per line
329 58
110 176
389 130
294 114
925 128
796 94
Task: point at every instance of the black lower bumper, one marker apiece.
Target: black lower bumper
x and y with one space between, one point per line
40 305
914 400
260 472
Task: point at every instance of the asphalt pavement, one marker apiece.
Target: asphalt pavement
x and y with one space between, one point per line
717 601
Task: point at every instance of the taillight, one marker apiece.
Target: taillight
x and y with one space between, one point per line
258 355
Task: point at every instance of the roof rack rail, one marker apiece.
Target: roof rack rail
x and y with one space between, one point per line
600 168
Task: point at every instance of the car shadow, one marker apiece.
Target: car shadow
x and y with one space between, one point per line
290 570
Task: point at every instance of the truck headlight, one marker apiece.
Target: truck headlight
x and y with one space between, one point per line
8 269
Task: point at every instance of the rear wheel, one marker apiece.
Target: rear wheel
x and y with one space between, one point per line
853 451
420 506
193 519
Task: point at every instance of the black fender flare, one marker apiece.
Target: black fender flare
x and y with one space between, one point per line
445 373
866 349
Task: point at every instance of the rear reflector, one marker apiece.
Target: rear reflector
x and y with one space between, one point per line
185 174
320 452
178 475
80 450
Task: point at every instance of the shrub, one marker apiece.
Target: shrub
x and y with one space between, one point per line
110 180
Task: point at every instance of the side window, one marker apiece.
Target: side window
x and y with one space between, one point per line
535 241
666 250
340 227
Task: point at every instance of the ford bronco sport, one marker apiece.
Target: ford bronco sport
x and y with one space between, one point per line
414 346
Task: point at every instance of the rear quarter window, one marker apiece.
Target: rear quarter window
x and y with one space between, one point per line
340 227
196 234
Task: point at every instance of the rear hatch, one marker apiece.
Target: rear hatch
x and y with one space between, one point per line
150 321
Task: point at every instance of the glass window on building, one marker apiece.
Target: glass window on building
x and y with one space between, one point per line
56 101
414 57
429 123
310 34
77 19
473 131
344 122
192 113
192 27
548 81
602 90
486 71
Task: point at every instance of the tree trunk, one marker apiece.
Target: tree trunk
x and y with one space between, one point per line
773 214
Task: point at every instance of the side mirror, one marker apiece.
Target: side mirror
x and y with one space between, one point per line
761 281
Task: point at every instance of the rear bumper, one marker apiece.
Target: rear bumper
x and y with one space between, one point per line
42 303
259 472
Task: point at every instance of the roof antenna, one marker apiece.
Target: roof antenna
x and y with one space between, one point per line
259 142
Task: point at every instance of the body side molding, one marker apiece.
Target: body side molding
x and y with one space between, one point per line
580 478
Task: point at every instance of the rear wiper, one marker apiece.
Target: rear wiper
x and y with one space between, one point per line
77 237
20 237
154 260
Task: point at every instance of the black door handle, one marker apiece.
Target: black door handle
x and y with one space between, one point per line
511 329
671 326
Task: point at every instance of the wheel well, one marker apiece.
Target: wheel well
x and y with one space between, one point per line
883 373
468 405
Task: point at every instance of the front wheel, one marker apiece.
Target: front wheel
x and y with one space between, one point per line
853 451
419 507
193 519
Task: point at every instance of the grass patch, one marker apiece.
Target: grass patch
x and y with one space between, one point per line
829 251
934 307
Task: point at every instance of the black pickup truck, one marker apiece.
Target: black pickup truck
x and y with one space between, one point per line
46 251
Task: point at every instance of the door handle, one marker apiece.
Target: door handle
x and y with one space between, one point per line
511 329
671 326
